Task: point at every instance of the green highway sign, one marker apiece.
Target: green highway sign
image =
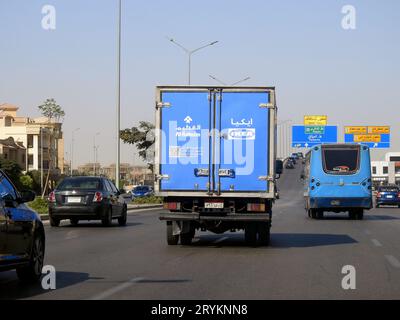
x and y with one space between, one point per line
314 129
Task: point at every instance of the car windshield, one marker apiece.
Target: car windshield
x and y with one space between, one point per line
389 189
141 189
341 160
80 184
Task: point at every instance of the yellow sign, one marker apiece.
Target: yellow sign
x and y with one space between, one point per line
375 138
355 130
379 130
315 120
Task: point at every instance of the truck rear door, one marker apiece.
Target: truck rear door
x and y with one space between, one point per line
216 140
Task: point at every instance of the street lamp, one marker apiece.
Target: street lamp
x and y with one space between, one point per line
224 84
118 129
190 52
72 150
94 152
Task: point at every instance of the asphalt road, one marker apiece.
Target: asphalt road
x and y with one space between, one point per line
304 261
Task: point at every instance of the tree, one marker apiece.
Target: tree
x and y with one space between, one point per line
142 137
26 182
13 171
51 109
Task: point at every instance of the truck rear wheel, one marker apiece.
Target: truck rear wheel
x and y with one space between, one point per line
172 239
264 233
360 214
250 233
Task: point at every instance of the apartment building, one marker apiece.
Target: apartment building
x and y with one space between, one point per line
42 139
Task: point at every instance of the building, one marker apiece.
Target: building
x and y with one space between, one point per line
388 171
132 174
90 169
14 151
42 138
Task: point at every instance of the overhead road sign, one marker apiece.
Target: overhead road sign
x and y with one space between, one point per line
372 136
304 138
315 120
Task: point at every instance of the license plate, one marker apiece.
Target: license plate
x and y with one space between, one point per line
335 203
389 197
74 199
214 205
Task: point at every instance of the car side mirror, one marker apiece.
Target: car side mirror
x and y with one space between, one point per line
9 201
278 167
27 196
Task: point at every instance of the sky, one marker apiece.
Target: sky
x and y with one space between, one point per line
299 47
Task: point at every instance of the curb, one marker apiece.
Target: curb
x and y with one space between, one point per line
45 217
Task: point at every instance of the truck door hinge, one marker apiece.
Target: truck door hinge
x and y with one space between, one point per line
266 178
162 177
267 105
163 105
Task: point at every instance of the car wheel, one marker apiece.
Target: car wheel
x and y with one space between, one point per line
250 234
54 222
313 213
172 239
123 218
33 271
186 239
107 219
74 222
263 230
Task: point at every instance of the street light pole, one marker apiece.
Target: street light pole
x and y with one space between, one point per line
94 152
41 160
117 164
190 53
72 151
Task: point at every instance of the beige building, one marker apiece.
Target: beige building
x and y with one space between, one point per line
39 136
90 169
14 151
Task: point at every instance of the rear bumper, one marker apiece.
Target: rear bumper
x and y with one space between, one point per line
340 203
94 211
195 216
392 202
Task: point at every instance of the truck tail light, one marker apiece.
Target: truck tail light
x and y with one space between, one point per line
172 205
98 197
256 207
52 197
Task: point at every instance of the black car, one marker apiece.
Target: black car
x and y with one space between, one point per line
87 198
22 237
289 164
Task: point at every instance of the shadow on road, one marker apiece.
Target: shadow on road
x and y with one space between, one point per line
98 225
13 289
279 240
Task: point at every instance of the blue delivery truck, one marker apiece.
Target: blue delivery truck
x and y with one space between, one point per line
215 160
337 178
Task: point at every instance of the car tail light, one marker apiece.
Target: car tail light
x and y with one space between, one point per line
172 205
52 197
398 195
378 195
256 207
98 197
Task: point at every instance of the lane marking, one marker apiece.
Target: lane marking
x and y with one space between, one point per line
376 243
108 293
220 240
393 261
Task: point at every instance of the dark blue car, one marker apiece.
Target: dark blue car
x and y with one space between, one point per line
142 191
388 195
